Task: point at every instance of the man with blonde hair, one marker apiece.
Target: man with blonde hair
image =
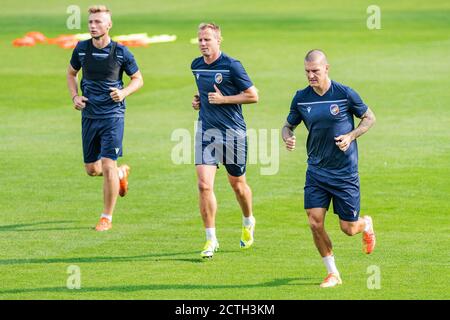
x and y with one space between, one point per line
223 86
102 105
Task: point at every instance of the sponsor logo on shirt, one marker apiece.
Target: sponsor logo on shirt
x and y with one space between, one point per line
334 109
218 78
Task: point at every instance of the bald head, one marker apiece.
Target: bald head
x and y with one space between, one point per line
317 56
316 69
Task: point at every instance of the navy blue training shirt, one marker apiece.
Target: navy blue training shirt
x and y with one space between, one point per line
327 117
230 77
100 104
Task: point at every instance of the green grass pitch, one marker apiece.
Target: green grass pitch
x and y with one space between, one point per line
48 204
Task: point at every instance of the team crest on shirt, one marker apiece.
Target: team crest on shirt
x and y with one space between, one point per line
218 78
334 109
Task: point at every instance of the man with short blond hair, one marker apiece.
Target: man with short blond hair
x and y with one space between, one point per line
99 8
223 86
102 105
213 27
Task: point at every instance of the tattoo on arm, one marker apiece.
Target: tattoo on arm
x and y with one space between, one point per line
287 131
367 121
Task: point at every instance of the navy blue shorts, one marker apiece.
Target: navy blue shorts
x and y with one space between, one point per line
231 153
102 138
319 190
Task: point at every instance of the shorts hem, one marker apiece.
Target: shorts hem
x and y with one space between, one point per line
318 206
237 176
347 219
111 158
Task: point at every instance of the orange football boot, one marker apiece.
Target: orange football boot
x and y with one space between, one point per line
368 237
123 183
103 225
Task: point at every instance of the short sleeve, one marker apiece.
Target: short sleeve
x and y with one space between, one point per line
294 118
129 63
75 60
239 76
355 103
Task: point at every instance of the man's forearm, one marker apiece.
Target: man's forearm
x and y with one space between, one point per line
242 98
367 121
134 85
72 84
287 131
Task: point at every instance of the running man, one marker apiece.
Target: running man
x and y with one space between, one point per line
102 105
327 109
221 137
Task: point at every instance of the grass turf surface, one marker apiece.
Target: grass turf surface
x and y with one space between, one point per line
48 205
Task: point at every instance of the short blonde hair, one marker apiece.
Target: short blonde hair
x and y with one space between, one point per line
210 25
99 8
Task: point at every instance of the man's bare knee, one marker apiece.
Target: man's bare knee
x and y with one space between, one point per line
204 187
239 188
349 230
316 226
110 173
109 169
316 222
93 170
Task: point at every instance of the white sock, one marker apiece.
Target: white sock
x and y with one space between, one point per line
120 172
211 234
248 221
368 225
107 216
330 265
